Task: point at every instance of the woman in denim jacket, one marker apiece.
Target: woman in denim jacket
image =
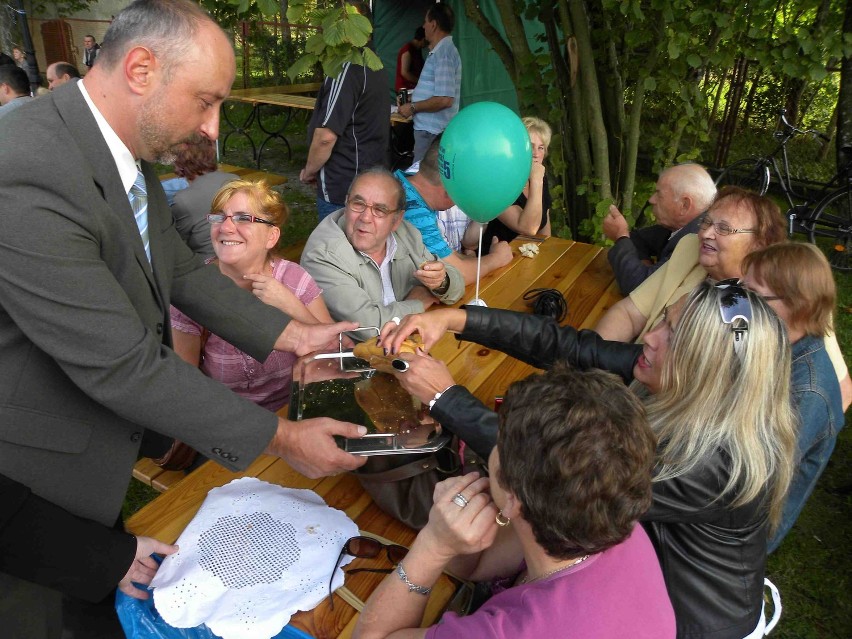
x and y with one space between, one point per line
796 280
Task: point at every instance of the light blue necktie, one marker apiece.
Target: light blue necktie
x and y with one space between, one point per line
138 197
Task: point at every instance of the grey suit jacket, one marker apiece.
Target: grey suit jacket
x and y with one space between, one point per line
191 207
84 321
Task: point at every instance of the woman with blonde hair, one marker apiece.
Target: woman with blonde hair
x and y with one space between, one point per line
715 378
796 281
530 213
245 226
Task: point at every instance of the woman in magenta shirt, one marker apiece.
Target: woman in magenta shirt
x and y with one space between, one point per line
556 524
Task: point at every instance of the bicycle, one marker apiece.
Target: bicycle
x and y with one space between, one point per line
826 215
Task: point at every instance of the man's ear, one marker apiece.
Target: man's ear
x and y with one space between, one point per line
140 69
399 217
686 204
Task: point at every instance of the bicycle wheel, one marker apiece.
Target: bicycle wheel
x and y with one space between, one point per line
751 174
831 228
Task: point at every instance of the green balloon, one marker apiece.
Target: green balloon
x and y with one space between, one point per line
484 159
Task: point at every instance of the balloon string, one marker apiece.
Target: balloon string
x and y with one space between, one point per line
478 260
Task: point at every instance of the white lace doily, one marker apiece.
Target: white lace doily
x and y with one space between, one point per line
253 555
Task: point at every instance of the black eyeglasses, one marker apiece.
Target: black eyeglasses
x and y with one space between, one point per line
357 205
236 218
734 305
766 298
722 228
367 548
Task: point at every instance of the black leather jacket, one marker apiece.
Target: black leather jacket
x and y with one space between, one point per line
712 555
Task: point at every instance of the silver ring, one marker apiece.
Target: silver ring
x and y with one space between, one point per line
460 500
400 365
396 320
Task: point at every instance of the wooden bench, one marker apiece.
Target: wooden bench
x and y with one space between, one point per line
272 179
152 475
291 89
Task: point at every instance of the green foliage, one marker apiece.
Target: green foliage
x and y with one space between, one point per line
342 37
59 8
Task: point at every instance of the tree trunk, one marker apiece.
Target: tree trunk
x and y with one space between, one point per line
632 134
577 113
723 77
564 159
286 32
830 133
732 107
755 82
475 15
591 95
844 99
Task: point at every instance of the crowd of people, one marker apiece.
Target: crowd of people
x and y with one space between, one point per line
17 87
638 482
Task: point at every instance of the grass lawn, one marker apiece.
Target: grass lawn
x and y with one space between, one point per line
812 567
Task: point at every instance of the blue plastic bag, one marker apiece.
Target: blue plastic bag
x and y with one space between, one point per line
141 620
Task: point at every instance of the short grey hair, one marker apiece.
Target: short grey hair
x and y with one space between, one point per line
383 172
167 27
693 180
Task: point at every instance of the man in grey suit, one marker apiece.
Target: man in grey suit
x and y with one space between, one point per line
89 263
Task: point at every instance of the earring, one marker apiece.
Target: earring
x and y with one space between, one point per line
502 520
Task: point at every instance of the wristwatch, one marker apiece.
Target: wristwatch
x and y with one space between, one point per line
413 108
444 287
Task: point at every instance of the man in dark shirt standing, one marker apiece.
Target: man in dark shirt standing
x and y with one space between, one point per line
348 132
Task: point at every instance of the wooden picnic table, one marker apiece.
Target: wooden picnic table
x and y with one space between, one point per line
579 271
272 179
280 97
292 89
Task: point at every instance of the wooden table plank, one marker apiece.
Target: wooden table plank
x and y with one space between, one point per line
586 292
167 516
292 89
272 179
604 303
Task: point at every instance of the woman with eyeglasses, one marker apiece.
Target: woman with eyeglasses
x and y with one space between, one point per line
714 376
738 222
570 443
797 282
245 225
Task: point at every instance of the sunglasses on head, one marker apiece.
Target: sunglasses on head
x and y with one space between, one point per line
735 308
367 548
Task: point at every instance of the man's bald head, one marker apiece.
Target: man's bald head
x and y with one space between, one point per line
168 28
59 73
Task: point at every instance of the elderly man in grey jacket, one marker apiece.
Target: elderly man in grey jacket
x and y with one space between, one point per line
371 264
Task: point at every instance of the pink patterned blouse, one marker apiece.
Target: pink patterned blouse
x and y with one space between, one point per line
266 384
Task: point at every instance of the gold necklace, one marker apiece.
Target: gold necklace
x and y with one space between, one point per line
553 572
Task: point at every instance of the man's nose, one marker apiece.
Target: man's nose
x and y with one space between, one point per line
210 125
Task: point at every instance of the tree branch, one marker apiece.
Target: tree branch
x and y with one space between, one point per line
501 48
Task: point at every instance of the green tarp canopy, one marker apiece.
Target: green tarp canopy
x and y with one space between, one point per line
483 75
